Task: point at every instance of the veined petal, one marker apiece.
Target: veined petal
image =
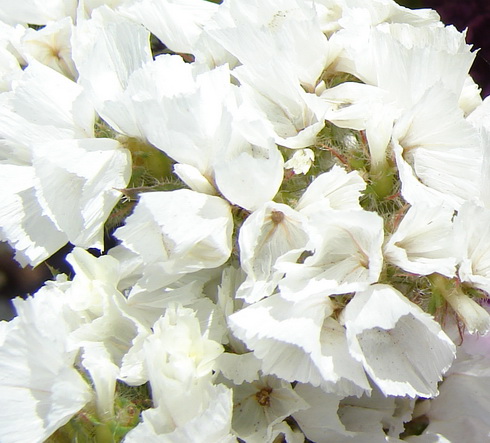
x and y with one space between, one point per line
435 157
347 255
183 230
77 182
286 30
266 235
423 242
107 49
298 342
37 377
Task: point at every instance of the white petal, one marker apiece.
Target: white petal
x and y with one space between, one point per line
183 230
435 157
287 31
37 12
250 176
347 255
460 412
239 367
392 337
107 49
212 425
77 182
320 422
422 243
296 341
37 377
178 24
266 235
33 235
335 189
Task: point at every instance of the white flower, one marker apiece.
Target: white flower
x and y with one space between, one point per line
285 30
106 332
179 362
301 161
288 114
261 404
61 190
300 342
107 49
265 236
420 57
331 418
178 232
38 381
439 160
423 241
191 114
392 337
346 255
77 184
51 46
212 425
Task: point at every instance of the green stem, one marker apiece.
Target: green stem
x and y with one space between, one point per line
382 175
103 433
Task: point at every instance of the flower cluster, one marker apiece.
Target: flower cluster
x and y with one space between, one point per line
300 195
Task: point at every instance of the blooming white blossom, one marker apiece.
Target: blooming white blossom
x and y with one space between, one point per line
64 197
51 46
300 342
105 58
264 237
37 377
301 161
423 242
346 255
387 333
186 404
178 232
262 404
351 418
434 156
296 198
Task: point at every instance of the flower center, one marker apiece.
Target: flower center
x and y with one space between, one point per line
263 396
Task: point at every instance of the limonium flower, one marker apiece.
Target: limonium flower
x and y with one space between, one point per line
279 212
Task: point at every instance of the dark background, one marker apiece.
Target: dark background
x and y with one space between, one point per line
473 15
